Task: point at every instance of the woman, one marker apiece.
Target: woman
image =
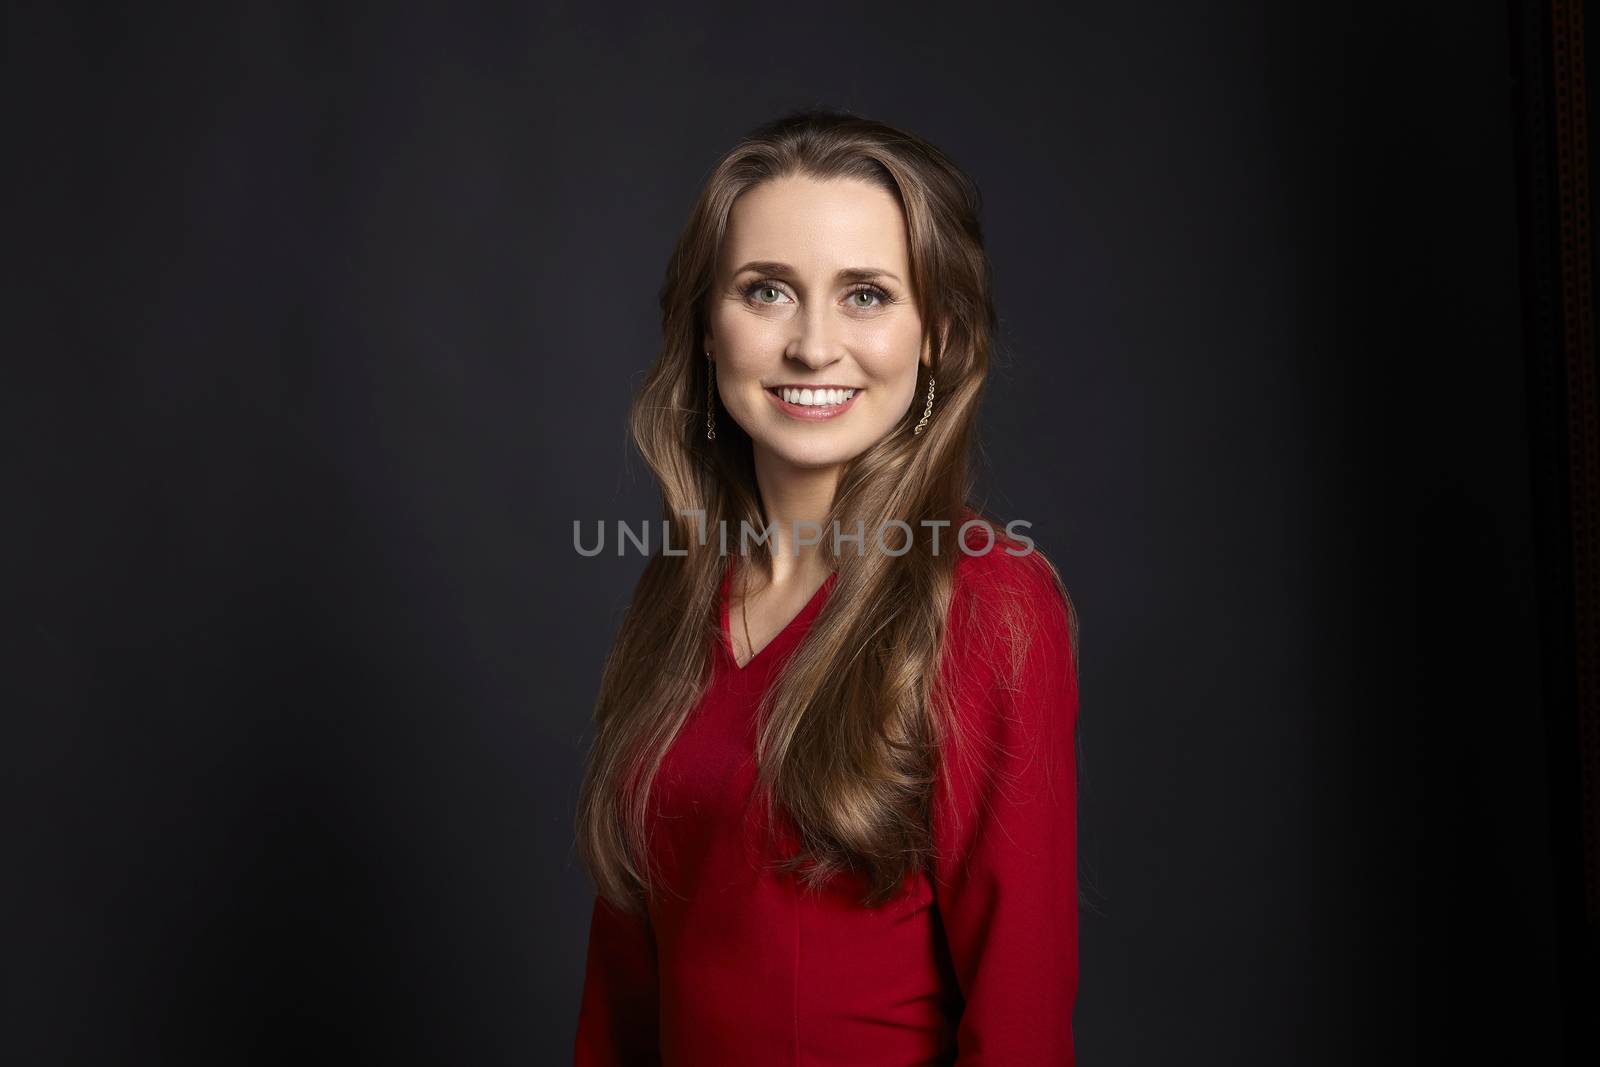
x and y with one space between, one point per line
830 808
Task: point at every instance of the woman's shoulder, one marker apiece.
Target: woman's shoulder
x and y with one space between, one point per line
1002 564
1008 594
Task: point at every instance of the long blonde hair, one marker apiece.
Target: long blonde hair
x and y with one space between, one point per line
849 738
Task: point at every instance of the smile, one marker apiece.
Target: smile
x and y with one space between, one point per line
813 403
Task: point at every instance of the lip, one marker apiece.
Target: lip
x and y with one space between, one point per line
812 412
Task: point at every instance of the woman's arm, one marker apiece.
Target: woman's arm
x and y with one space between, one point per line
1006 874
618 1018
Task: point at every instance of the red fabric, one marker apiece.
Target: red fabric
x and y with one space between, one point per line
974 963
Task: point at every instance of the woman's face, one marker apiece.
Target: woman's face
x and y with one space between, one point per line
812 292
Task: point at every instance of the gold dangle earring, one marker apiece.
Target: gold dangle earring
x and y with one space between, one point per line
928 411
711 397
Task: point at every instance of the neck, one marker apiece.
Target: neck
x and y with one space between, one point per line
796 500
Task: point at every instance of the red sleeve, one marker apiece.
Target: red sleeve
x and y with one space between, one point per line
1006 866
618 1018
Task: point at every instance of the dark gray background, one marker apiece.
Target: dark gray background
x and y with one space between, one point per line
334 320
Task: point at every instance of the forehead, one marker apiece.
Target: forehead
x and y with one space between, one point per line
817 226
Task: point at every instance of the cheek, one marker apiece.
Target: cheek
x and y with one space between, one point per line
891 357
745 343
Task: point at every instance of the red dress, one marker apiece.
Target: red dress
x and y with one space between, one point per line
974 963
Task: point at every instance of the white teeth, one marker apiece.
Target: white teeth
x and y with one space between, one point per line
816 397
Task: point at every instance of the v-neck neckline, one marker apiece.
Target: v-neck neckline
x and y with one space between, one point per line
810 608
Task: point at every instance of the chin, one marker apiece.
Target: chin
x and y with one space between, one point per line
815 455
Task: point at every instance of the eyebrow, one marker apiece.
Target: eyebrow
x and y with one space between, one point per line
767 266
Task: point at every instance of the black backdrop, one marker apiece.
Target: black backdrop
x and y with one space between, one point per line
328 323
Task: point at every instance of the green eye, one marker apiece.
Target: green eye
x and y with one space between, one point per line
870 297
769 289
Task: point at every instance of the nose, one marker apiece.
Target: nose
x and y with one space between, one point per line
815 343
